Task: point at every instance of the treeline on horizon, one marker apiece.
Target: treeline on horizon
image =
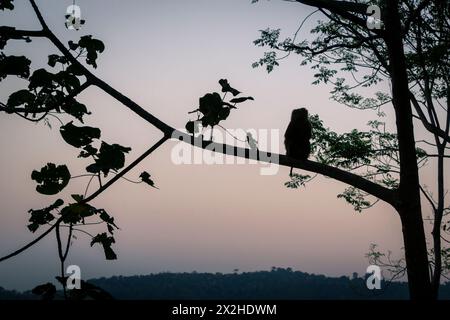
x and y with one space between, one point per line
279 283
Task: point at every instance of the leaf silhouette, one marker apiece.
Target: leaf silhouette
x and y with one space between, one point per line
42 216
41 78
51 179
106 242
6 4
79 136
241 99
75 109
227 88
14 66
93 47
145 176
109 157
21 97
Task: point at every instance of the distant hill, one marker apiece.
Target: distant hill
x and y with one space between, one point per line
276 284
15 295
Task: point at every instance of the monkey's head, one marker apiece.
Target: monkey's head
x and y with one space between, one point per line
298 114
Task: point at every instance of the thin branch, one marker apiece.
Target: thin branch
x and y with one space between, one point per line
430 200
127 169
15 253
436 131
345 9
12 33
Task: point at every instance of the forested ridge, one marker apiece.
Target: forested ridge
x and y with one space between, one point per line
279 283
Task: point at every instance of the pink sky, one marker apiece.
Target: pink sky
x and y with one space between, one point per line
164 55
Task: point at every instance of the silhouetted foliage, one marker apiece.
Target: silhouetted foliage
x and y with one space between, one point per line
276 284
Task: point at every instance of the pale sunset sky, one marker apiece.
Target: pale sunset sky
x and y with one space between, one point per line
165 54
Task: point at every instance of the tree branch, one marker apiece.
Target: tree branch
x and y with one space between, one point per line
344 9
127 169
355 180
436 131
15 253
414 15
13 33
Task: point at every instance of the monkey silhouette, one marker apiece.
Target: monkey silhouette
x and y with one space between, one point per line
297 136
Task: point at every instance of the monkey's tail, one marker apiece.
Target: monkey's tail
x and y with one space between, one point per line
290 174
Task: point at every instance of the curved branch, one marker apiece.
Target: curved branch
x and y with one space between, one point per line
355 180
13 33
429 126
15 253
127 169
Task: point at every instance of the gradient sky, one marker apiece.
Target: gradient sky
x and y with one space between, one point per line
165 55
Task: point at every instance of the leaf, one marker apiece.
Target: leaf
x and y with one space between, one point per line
76 212
297 180
75 109
107 218
72 45
110 228
53 59
75 70
212 106
356 198
210 103
21 97
14 66
79 136
420 153
67 80
46 291
109 157
145 176
227 88
77 197
106 242
51 179
92 46
88 151
42 216
242 99
6 4
229 105
41 78
224 113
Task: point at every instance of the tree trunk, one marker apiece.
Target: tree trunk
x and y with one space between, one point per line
408 205
416 253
